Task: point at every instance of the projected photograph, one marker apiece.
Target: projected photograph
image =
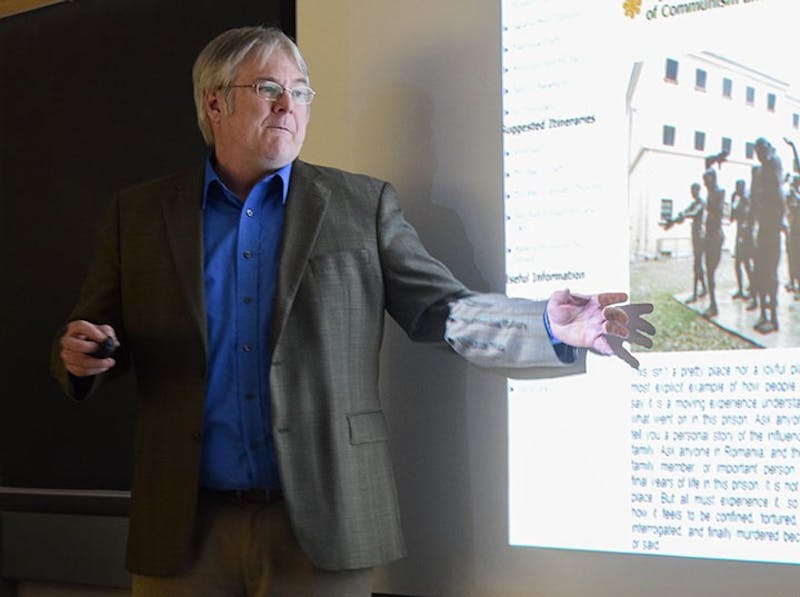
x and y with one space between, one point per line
714 192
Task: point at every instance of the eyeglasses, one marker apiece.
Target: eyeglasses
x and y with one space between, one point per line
272 91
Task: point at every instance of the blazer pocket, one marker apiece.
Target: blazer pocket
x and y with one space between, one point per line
368 427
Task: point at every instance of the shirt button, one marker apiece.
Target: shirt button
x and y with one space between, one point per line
249 396
247 300
247 347
247 254
249 212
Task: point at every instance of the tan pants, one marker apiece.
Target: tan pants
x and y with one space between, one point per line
249 550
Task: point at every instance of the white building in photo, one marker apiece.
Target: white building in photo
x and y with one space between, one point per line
682 109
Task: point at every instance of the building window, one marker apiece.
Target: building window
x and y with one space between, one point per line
700 79
666 210
726 145
699 140
671 75
750 96
750 150
795 120
771 102
727 87
669 135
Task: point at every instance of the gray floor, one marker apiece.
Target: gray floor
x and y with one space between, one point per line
735 318
675 276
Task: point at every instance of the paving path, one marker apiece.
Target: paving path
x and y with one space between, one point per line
675 277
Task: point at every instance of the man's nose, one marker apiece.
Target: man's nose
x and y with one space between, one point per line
284 103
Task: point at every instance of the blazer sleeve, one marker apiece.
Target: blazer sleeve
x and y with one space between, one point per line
99 302
509 336
489 330
418 288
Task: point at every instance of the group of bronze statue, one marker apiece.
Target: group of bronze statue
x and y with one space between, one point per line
762 216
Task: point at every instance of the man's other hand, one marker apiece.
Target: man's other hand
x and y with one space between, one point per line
81 339
593 322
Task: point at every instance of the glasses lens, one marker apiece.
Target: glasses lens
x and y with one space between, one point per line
302 94
269 90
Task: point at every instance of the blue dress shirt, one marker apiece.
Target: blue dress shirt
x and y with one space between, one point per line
241 243
564 352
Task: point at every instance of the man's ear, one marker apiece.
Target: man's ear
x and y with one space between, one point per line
215 105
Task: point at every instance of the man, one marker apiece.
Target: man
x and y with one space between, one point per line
714 237
792 228
793 235
742 214
250 299
695 211
768 206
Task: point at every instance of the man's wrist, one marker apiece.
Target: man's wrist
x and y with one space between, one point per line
564 352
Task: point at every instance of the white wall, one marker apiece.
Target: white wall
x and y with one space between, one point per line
410 91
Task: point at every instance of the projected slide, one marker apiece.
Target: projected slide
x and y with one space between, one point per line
649 146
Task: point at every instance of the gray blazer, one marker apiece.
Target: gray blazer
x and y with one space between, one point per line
347 256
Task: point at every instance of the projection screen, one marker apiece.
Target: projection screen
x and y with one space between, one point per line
538 145
698 454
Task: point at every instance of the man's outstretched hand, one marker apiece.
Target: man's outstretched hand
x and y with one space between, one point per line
593 322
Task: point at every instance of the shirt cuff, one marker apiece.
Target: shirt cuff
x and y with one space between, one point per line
564 352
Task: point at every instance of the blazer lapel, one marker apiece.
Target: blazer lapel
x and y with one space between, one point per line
183 216
306 205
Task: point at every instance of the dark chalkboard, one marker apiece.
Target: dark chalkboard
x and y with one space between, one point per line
94 96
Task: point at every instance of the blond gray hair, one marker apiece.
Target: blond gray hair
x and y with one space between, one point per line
218 64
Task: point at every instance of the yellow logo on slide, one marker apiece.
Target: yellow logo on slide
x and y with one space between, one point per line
632 7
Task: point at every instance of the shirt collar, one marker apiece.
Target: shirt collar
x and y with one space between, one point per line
211 177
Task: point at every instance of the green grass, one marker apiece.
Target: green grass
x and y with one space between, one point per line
679 328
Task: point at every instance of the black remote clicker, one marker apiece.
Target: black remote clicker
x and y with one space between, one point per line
105 349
